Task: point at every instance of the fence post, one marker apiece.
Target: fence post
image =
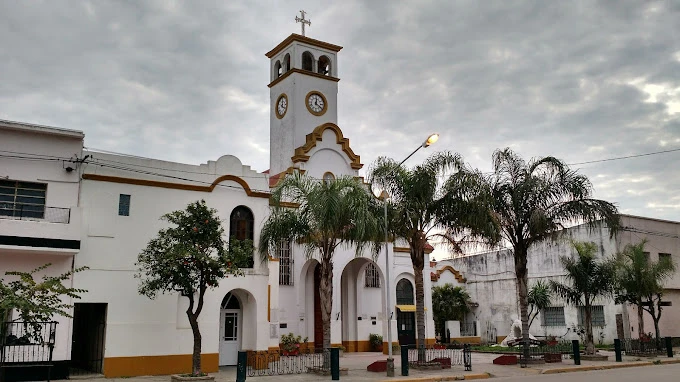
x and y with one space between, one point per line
404 360
467 357
241 366
335 364
617 349
576 352
669 347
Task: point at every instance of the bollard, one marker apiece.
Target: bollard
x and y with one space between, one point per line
577 352
241 366
669 347
467 357
404 360
617 349
335 364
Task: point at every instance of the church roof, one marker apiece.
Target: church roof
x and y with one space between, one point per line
303 39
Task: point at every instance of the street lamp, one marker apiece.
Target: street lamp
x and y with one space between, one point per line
388 314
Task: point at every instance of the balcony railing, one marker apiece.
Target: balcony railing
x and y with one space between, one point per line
18 211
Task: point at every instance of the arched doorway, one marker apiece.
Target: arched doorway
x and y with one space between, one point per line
406 313
231 331
362 304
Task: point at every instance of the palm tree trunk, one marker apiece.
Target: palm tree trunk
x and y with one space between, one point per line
420 310
326 294
641 321
523 291
590 345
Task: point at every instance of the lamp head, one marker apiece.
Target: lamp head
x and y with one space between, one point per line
431 139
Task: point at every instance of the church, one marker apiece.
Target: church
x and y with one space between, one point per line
115 208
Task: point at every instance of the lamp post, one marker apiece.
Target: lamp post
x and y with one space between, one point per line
388 314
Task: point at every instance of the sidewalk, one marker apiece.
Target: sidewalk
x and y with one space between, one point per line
482 367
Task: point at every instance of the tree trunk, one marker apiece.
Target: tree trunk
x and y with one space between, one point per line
420 311
590 345
326 294
641 322
656 318
196 355
523 290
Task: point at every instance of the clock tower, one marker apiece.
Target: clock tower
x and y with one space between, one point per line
303 96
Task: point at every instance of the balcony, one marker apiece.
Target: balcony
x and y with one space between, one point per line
46 214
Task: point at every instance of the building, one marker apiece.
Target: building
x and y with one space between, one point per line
489 278
39 214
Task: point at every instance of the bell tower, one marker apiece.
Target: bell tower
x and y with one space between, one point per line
303 91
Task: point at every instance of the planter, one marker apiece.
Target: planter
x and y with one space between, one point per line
290 352
552 357
182 378
378 348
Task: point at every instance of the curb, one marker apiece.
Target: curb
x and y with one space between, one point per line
607 367
439 378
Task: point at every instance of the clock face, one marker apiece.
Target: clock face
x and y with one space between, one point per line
328 177
281 106
316 103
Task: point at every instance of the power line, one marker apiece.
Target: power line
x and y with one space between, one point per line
625 157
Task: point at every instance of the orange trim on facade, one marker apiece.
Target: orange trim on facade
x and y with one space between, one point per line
408 250
269 303
315 136
276 178
179 186
303 39
157 365
456 274
300 71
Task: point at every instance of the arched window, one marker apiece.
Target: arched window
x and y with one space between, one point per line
230 302
278 71
307 61
404 292
324 66
286 62
286 265
372 276
241 224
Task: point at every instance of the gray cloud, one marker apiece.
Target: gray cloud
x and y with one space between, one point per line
186 81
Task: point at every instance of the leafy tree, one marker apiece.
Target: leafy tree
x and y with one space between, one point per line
427 205
539 297
449 303
189 257
587 280
37 301
532 202
640 282
327 215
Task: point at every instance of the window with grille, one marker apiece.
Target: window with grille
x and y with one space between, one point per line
22 199
665 257
404 292
285 263
597 314
372 276
241 224
124 205
553 316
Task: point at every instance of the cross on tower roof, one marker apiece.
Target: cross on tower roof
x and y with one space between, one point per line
303 21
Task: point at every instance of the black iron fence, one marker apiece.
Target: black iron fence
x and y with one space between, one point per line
26 345
268 363
553 352
19 211
646 346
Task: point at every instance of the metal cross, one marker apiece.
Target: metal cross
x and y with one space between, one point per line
303 21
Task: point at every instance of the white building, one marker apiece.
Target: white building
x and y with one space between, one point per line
489 278
39 214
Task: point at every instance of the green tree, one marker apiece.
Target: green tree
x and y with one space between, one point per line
532 202
37 301
539 298
326 215
449 303
189 257
587 280
428 204
640 282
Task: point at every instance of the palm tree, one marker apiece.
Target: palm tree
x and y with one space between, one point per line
327 215
640 283
532 202
588 279
422 207
539 297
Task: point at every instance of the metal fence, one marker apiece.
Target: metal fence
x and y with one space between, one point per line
646 346
541 353
26 345
268 363
433 354
18 211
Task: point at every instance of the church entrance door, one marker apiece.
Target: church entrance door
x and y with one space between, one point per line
230 330
318 324
406 328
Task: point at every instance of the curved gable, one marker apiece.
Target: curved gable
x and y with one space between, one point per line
301 153
449 268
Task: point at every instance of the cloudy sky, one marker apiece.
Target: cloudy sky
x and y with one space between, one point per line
186 81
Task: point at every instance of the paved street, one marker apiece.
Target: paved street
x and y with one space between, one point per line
657 373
